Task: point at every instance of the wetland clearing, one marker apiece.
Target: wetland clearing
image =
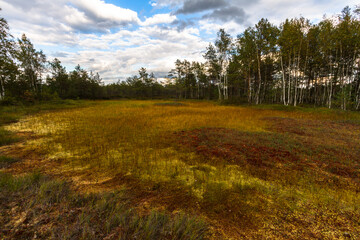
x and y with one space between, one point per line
243 172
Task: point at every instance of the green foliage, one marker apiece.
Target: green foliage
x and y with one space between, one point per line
8 101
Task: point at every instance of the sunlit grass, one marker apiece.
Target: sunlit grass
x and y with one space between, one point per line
129 136
54 211
136 138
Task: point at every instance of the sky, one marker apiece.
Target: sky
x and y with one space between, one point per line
118 37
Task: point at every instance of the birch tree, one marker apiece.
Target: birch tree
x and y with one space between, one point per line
32 62
8 68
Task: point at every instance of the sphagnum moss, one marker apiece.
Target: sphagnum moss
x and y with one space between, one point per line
136 138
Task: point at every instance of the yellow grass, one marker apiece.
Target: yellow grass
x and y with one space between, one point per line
134 138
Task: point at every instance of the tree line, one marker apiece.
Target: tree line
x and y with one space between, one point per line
27 76
297 62
22 70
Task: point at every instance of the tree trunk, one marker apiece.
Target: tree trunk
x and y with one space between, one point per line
297 74
304 73
289 85
198 89
283 81
358 98
226 90
259 76
219 89
2 90
324 93
249 87
331 84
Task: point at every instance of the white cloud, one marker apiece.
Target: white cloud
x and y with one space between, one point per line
278 10
79 15
159 19
166 3
106 12
153 3
75 17
150 46
212 28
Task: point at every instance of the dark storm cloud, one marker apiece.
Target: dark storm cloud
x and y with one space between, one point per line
102 22
26 5
97 25
179 25
194 6
81 15
60 54
182 24
227 14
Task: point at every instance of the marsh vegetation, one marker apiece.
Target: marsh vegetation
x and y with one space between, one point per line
246 171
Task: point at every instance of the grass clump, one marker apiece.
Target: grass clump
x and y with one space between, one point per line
7 161
48 209
53 191
159 225
9 183
6 137
9 118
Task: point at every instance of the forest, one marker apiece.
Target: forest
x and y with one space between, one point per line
295 63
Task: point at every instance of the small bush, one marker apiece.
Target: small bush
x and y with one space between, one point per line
48 96
8 101
234 101
28 97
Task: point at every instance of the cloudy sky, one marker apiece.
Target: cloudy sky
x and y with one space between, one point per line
117 37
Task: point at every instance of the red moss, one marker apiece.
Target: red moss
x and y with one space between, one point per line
233 146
